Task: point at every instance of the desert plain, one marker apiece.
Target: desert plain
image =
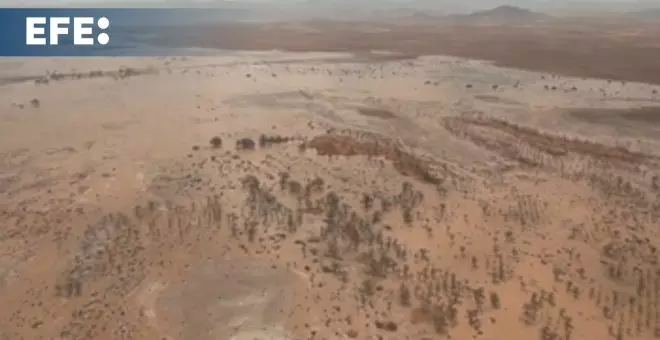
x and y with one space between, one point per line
369 192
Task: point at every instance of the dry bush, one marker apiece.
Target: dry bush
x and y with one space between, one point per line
216 142
245 144
266 141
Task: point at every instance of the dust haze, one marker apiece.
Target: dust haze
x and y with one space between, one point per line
485 175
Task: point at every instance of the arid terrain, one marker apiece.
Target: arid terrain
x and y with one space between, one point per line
614 48
273 195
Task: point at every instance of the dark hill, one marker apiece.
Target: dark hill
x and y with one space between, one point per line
500 15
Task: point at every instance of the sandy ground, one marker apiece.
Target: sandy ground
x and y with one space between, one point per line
416 199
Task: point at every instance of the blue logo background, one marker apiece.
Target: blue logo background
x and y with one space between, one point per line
132 31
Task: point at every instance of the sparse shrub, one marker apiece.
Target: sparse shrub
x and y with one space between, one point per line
252 232
295 188
314 187
551 299
216 142
509 236
35 103
245 144
367 201
266 141
377 217
404 295
70 288
284 179
367 290
495 300
473 319
408 216
440 323
389 326
250 182
124 72
379 266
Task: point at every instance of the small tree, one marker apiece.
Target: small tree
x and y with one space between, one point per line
495 300
404 295
408 216
216 142
245 144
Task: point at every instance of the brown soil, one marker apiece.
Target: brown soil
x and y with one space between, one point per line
587 48
135 222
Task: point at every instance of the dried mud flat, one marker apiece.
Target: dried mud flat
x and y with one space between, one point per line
313 196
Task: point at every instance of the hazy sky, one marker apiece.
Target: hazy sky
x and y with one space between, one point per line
439 4
476 2
484 2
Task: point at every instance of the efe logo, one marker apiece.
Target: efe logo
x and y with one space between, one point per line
35 30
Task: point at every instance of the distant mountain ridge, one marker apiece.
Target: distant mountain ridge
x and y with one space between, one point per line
500 15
